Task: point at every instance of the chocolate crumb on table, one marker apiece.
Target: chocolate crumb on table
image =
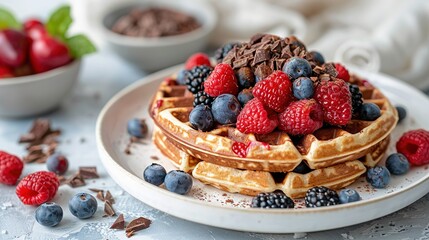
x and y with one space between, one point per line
88 172
109 197
138 224
108 209
76 181
119 223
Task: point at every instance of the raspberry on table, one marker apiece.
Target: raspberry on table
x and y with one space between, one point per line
342 72
275 91
10 168
197 59
195 78
255 118
38 188
414 145
301 117
221 80
335 98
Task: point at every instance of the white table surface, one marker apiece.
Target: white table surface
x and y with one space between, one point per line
103 75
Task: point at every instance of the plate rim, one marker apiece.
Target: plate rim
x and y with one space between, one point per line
158 76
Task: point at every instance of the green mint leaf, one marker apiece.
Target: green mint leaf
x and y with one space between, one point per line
80 45
59 22
7 20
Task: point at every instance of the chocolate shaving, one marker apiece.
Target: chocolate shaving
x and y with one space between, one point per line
138 224
109 197
119 223
108 209
88 172
76 181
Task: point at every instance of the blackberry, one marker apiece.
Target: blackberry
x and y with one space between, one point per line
202 98
356 98
196 77
320 197
221 52
272 200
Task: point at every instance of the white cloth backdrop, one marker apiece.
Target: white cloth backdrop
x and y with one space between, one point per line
391 36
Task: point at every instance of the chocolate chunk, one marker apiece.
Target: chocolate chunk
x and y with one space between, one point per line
119 223
108 209
138 224
76 181
109 197
88 172
130 234
96 190
239 63
261 55
100 195
256 38
263 71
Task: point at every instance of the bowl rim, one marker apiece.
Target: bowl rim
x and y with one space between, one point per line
208 13
41 76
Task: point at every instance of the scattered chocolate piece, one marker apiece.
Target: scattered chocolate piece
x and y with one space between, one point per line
119 223
154 157
88 172
96 190
109 197
138 224
100 195
76 181
108 209
130 234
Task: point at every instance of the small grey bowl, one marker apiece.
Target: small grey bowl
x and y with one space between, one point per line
39 93
151 54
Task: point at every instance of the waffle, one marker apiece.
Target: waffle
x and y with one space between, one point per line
251 182
276 151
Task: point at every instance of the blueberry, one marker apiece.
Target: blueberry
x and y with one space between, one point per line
378 176
137 128
302 168
397 164
178 181
57 163
303 88
369 111
225 109
181 77
244 96
246 78
154 174
317 57
201 118
297 67
83 205
348 196
402 113
49 214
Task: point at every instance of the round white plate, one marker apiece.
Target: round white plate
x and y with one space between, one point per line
207 205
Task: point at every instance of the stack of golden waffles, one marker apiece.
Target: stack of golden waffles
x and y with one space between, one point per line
337 156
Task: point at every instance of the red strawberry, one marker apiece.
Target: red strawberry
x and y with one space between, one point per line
34 28
47 53
14 47
221 80
335 98
301 117
275 91
38 188
255 118
415 146
196 60
5 72
10 168
342 72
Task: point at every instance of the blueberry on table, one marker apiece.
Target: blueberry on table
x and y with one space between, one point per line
378 176
370 112
49 214
154 174
303 88
201 118
178 181
57 163
348 196
83 205
297 67
397 164
402 113
137 128
225 109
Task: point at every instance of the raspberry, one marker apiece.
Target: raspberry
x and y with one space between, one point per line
196 60
254 118
415 146
240 149
38 188
221 80
301 117
342 72
10 168
335 98
275 91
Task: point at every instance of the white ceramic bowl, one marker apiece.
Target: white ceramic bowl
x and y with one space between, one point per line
38 93
152 54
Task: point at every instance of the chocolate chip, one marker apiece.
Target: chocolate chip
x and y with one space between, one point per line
138 224
119 223
100 195
88 172
76 181
108 209
108 197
